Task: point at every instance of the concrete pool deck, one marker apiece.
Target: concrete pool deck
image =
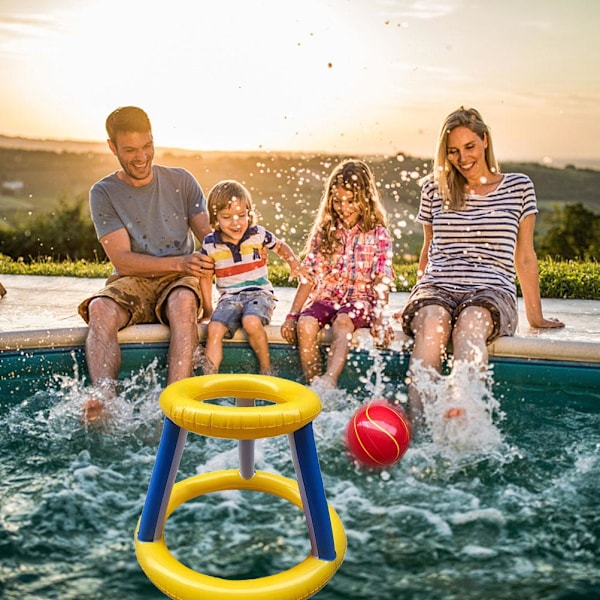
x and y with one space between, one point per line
41 311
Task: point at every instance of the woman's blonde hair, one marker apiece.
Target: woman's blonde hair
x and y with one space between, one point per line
451 183
354 175
225 192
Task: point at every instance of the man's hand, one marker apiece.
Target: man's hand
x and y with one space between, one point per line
198 265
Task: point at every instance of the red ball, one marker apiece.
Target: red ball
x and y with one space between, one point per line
378 434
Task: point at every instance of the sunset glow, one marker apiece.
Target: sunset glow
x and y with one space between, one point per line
362 76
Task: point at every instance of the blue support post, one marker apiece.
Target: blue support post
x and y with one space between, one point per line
168 457
312 492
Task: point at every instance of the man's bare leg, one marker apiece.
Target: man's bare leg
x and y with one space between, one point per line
103 353
182 315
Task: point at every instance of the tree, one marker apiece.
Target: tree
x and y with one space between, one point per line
574 234
65 234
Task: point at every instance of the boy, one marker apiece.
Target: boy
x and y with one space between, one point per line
239 249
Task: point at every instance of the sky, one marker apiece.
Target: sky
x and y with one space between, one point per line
343 76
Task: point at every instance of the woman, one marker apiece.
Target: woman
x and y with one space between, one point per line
478 226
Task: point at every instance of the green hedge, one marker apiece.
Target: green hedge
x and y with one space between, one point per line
575 280
570 279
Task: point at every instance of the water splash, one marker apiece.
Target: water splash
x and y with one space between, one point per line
441 523
133 411
467 393
375 381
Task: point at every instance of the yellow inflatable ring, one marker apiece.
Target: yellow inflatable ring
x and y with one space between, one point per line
294 406
178 581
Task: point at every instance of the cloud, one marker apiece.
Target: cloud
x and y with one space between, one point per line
22 24
547 27
419 9
19 33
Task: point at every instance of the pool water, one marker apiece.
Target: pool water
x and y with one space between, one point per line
514 519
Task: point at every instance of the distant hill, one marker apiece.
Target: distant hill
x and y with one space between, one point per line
21 143
81 147
286 187
568 184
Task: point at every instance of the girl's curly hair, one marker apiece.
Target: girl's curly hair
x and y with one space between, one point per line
354 175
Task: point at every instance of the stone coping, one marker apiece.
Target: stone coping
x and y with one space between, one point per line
508 347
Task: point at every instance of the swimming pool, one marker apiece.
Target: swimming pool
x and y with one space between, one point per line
518 519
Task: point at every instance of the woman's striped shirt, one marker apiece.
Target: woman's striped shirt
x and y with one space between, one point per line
475 247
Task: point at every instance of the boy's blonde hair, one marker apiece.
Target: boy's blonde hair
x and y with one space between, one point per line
221 196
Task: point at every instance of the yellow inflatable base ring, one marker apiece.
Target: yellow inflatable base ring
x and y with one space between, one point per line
180 582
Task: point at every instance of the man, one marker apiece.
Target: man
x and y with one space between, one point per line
144 216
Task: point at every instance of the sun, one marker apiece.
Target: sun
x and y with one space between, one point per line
219 75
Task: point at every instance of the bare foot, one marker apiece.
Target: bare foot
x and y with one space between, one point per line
207 366
325 382
452 413
94 412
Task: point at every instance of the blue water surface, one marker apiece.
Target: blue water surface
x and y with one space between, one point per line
514 519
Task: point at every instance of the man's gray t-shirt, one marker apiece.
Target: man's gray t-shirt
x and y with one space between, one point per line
157 216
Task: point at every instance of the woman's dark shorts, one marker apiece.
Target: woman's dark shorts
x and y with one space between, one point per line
501 305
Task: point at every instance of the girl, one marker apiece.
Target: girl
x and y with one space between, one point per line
348 258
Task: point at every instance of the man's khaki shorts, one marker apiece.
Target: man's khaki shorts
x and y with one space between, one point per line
143 297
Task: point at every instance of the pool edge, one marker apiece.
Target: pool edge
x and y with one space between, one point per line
510 347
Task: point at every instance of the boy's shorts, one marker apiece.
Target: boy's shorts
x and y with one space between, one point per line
143 297
501 305
232 307
325 312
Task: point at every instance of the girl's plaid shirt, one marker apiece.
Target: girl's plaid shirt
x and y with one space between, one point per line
349 273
